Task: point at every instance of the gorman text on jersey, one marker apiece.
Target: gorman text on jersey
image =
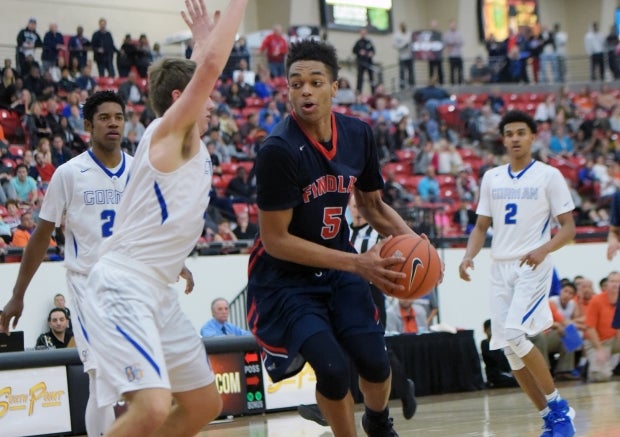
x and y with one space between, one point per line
102 197
515 193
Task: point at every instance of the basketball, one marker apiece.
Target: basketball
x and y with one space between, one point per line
421 265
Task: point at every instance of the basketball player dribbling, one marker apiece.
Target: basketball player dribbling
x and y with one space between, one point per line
520 199
308 293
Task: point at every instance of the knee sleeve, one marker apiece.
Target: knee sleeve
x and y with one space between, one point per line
370 356
518 342
329 363
515 362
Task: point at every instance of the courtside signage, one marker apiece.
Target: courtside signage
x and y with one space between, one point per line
34 402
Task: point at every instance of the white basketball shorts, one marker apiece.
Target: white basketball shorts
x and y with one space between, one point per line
138 333
519 299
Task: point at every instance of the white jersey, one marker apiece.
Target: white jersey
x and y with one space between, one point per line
567 312
86 194
521 206
161 215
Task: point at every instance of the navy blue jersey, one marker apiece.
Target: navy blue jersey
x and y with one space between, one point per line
294 171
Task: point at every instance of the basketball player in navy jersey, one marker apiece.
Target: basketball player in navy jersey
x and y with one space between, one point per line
308 293
520 199
83 195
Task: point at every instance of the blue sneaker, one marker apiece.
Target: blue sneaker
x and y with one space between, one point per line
559 421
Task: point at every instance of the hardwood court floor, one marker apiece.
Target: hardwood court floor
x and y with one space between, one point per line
486 413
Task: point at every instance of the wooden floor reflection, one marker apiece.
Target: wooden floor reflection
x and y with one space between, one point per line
487 413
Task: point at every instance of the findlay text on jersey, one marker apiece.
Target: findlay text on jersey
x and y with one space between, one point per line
328 184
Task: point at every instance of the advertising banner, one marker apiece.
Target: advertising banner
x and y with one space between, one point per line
290 392
34 402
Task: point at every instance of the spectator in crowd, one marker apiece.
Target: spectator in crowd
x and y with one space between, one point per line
480 72
555 346
86 81
602 340
364 51
45 170
143 56
435 56
126 58
428 187
104 49
401 317
219 324
611 45
27 40
22 233
548 56
488 123
241 188
37 125
594 42
453 42
13 216
497 52
53 44
245 230
6 174
560 39
134 125
60 152
25 187
394 194
464 217
496 367
466 185
401 41
59 335
60 302
275 47
130 90
78 47
245 77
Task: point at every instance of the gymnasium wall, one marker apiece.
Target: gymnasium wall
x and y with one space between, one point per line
461 304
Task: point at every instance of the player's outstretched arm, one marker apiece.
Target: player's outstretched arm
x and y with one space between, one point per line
213 40
31 260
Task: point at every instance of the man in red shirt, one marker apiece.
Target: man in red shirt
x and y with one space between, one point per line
602 341
275 47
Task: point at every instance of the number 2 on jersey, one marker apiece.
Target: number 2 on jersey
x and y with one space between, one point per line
331 220
107 217
511 212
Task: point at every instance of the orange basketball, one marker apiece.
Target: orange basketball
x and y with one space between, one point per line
421 266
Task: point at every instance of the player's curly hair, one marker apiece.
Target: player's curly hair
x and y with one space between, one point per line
96 99
517 117
312 50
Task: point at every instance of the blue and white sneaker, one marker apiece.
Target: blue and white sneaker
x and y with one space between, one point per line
559 421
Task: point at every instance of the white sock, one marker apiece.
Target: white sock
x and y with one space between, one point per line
553 396
544 412
98 420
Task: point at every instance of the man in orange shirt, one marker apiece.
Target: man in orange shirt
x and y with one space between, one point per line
22 233
602 341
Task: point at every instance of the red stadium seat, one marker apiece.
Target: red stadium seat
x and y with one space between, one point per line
405 155
12 125
229 168
17 150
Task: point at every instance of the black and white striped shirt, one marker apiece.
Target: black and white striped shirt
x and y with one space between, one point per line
364 237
